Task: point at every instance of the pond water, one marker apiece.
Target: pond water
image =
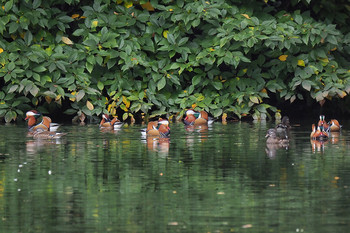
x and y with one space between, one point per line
220 179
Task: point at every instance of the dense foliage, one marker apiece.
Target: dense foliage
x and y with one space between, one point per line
132 58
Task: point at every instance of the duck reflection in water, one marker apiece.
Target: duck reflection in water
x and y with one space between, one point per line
318 145
158 144
274 143
37 145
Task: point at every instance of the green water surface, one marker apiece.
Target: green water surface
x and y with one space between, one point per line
217 179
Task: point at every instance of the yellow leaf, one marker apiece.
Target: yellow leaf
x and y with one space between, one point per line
254 99
333 49
119 1
48 99
194 106
324 60
165 33
245 70
66 40
301 63
58 97
89 105
283 57
126 102
73 98
246 16
128 4
94 23
1 50
148 6
342 94
75 16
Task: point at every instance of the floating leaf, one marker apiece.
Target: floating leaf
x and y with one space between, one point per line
283 57
67 41
301 63
89 105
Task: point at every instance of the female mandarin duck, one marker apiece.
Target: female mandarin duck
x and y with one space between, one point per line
272 138
318 133
108 123
196 118
38 122
158 128
282 128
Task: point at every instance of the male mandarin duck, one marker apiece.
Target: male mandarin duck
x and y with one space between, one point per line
38 122
197 118
322 123
318 133
331 126
334 126
108 123
158 128
272 138
283 127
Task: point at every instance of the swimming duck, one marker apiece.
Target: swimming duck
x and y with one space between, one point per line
108 123
38 122
322 123
272 138
197 118
157 128
47 135
334 126
318 133
283 127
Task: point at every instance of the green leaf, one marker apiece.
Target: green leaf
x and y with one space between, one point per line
161 83
80 95
39 69
100 85
8 6
254 99
306 85
217 85
13 88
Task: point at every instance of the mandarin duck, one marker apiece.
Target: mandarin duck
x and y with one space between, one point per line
334 126
38 122
108 123
197 118
283 127
47 135
157 128
318 133
272 138
322 123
